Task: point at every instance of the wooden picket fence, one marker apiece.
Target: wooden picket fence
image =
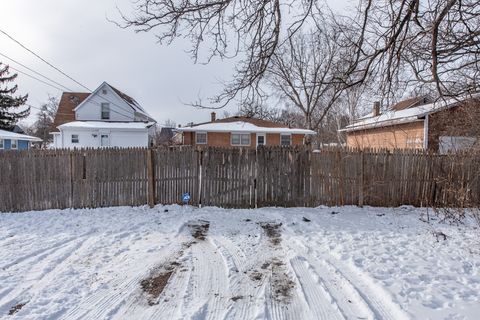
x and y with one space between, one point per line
237 178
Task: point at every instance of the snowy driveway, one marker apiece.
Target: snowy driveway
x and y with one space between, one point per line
186 263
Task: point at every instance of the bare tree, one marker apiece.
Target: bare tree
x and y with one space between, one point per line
432 43
247 29
422 43
305 72
45 117
259 111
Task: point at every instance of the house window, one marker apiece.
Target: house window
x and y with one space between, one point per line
105 111
104 91
2 144
285 140
104 141
75 138
240 139
201 138
14 145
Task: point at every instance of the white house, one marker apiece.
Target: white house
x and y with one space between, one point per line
105 118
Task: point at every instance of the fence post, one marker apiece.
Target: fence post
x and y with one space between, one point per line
361 180
199 153
151 178
72 170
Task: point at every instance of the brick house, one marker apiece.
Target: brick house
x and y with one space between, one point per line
242 132
441 126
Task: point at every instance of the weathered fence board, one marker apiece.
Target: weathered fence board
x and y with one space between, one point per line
241 178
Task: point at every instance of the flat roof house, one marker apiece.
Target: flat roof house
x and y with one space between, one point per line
243 132
417 123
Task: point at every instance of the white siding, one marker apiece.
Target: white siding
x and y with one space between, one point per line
452 144
91 138
91 109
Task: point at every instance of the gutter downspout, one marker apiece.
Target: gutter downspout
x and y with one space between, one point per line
425 133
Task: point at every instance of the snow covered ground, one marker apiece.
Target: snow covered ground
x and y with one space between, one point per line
186 263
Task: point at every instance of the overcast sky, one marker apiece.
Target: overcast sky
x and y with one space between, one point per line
76 37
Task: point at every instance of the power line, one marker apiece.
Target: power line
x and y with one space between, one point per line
35 78
37 73
39 57
63 73
55 87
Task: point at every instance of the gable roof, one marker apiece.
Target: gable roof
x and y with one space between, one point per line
123 96
17 136
393 117
66 107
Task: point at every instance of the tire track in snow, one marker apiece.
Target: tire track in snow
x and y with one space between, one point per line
105 302
365 291
40 254
208 292
40 276
244 292
319 301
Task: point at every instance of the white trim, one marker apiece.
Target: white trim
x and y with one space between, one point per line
108 139
11 144
425 132
261 134
102 104
71 138
286 134
206 137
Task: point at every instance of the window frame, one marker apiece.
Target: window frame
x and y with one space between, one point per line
264 136
108 139
12 144
78 138
201 133
106 105
289 135
241 144
2 145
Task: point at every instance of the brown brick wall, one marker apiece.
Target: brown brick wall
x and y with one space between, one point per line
297 139
402 136
461 121
218 139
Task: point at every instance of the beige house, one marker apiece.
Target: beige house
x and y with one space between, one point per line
242 132
442 126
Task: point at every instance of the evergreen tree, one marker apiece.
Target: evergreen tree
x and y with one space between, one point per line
10 105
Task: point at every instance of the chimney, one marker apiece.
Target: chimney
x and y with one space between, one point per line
376 108
213 116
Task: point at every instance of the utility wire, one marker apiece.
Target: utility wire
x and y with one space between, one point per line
39 57
37 73
35 78
54 67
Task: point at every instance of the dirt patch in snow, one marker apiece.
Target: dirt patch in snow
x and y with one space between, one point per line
273 232
199 229
282 284
16 308
154 285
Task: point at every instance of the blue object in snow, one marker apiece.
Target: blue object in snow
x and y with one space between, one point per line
186 198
